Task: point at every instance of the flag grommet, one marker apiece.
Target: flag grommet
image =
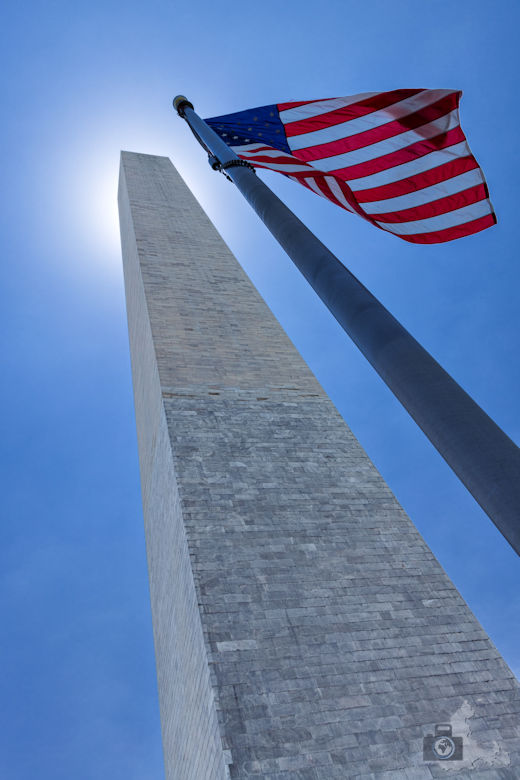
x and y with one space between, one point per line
237 164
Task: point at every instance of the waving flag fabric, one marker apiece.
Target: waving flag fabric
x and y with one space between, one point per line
398 159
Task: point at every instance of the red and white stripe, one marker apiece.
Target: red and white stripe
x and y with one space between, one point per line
398 159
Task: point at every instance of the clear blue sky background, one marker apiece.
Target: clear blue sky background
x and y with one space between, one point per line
82 81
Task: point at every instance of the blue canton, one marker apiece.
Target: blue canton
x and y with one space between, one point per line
259 125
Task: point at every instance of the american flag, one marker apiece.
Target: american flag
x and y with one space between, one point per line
398 159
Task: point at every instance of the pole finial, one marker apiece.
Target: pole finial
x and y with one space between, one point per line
180 103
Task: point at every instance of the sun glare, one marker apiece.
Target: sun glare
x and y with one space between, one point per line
87 191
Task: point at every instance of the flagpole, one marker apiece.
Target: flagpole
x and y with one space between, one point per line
479 452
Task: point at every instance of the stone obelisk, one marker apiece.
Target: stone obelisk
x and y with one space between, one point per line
303 629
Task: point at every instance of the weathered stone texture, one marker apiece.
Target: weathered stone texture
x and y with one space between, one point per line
303 628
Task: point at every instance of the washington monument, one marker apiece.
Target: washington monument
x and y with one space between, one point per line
303 629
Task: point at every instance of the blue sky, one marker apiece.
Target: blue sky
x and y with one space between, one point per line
80 83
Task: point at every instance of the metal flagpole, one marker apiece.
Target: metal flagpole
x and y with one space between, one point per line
478 451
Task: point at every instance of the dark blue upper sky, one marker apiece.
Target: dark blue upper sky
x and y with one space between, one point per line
82 81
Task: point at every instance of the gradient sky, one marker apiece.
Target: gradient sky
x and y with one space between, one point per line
81 82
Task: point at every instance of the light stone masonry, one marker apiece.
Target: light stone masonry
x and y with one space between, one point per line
303 629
